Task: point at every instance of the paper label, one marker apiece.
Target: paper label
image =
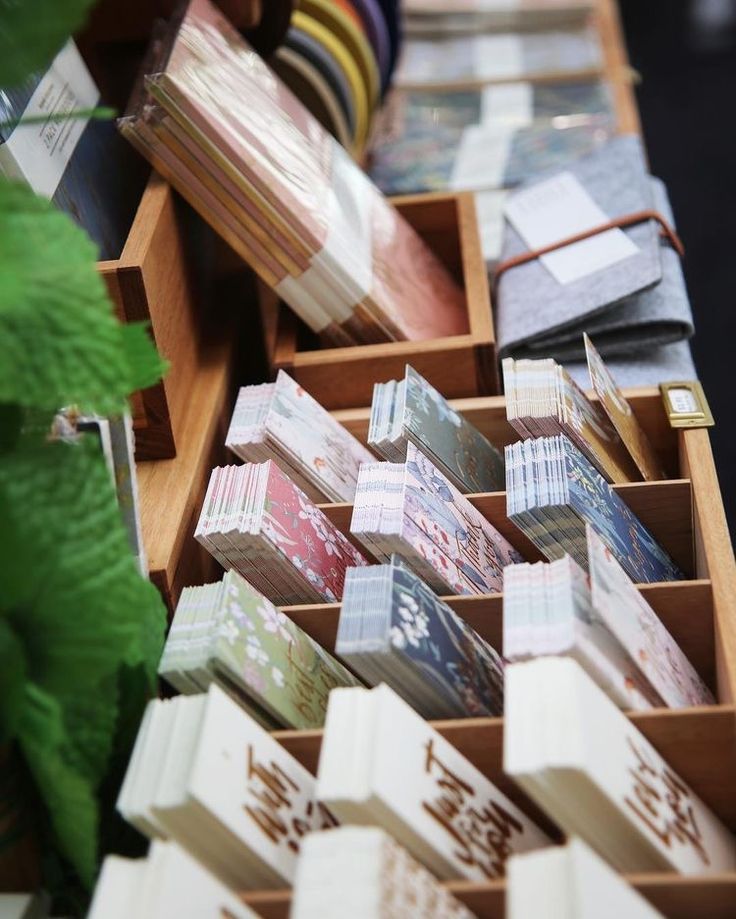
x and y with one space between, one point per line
40 152
482 156
497 57
489 208
509 103
349 243
560 207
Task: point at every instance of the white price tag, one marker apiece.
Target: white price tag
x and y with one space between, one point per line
560 207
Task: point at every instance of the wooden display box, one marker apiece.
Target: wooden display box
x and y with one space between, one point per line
153 281
461 365
686 514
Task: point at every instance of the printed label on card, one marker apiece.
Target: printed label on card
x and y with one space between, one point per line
40 152
560 207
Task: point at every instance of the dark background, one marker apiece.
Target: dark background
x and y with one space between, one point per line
685 53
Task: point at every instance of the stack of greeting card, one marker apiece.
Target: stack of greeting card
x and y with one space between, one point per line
412 411
440 17
382 764
256 520
495 154
363 873
552 491
542 400
412 509
393 629
598 777
472 60
570 882
602 621
248 156
229 634
281 421
204 773
167 883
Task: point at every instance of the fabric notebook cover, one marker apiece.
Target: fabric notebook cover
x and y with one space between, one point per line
615 177
660 315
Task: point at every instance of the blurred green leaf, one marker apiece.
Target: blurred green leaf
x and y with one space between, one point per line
62 343
32 31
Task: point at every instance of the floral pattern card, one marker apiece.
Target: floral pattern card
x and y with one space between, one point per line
281 421
475 546
394 629
597 504
622 417
256 653
256 521
631 619
305 538
413 410
552 492
548 610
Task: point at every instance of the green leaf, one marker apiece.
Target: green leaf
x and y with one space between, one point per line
62 343
32 31
68 794
71 589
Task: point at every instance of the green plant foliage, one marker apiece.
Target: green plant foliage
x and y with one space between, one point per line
73 613
62 344
32 31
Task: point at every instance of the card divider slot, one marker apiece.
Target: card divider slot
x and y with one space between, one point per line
665 508
681 736
676 896
685 608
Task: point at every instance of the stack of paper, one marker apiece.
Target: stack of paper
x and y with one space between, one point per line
254 519
413 510
393 629
543 400
245 153
495 154
604 623
363 873
411 410
229 634
552 491
570 882
440 17
281 421
598 777
167 883
204 773
382 764
480 57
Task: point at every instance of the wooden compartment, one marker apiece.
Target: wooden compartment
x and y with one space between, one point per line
153 281
461 365
686 514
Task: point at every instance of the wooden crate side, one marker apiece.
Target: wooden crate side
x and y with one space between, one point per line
675 896
713 550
